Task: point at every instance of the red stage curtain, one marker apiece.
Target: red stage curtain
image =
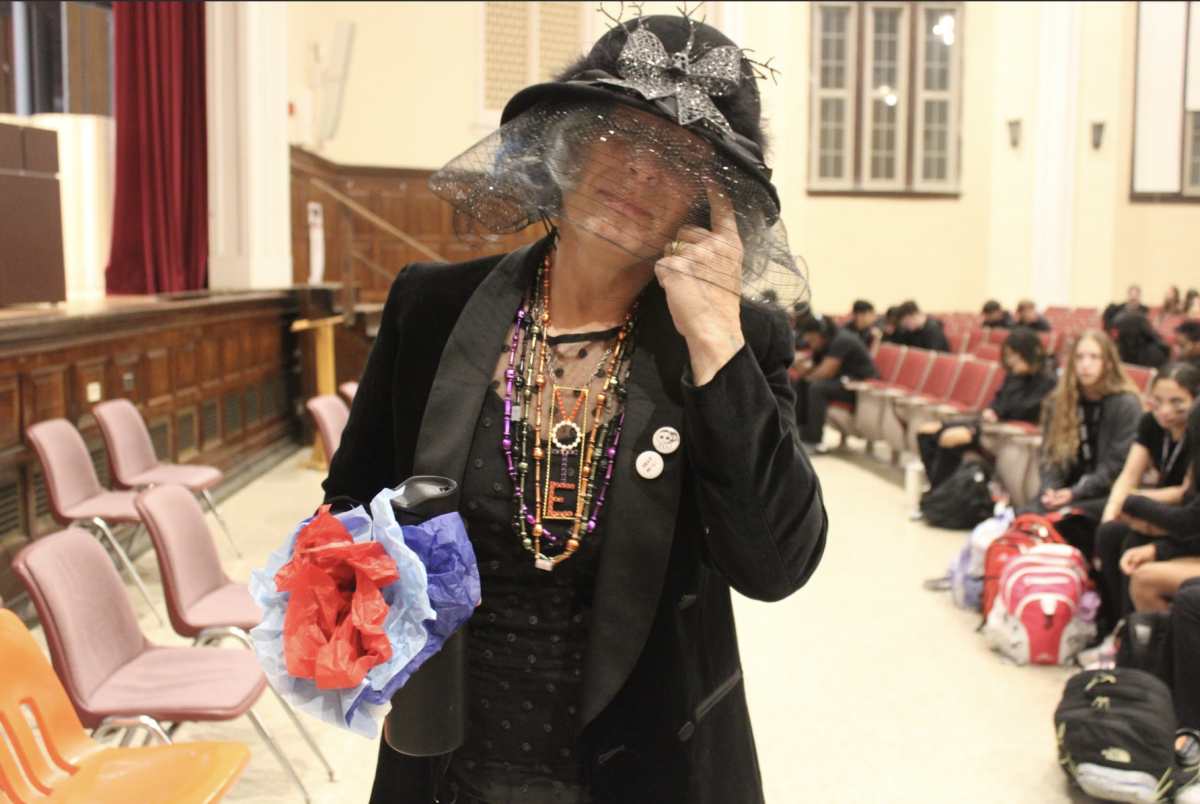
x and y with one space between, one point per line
160 213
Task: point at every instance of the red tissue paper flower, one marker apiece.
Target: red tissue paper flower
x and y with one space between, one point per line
333 630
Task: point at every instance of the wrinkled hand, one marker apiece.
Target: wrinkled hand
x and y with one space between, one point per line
1135 557
703 283
1054 499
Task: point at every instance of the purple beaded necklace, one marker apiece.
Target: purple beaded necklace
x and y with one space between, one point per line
526 377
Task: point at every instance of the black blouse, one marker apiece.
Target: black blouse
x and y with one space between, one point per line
526 643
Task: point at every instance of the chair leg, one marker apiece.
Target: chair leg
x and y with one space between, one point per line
212 506
274 746
131 723
213 636
121 554
307 737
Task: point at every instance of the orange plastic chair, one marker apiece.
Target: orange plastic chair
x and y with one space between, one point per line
72 767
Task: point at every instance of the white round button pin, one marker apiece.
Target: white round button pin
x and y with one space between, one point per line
649 465
666 440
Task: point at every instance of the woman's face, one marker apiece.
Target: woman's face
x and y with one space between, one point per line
640 177
1169 402
1089 362
817 341
1016 364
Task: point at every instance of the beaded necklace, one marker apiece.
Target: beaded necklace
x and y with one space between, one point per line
527 377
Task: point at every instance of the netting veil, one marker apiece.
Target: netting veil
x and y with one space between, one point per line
633 178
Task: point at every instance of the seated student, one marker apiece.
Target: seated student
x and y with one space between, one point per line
1030 380
1187 342
1179 667
864 324
891 327
1132 304
1028 316
1090 422
837 354
996 316
1191 303
1138 343
1161 450
921 330
1172 303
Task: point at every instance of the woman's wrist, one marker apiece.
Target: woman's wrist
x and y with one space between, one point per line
710 351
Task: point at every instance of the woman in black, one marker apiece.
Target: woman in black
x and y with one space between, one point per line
1160 451
944 444
838 355
620 423
1091 420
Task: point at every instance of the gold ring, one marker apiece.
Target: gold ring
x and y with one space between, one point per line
674 247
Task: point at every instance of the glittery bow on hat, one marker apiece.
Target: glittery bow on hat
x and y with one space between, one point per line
649 70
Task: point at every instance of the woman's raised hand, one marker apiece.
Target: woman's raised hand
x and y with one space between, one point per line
701 274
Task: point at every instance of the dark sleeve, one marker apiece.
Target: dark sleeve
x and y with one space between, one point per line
365 460
841 346
1118 425
1182 521
937 337
1145 431
1053 476
1023 402
1042 325
759 498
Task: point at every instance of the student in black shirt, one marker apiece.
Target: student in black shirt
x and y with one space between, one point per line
921 330
837 354
1030 380
1161 449
1138 342
1028 316
891 327
996 316
1187 342
1132 304
864 324
1090 423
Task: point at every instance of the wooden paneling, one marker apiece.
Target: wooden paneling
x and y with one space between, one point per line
236 345
49 394
398 195
10 412
158 376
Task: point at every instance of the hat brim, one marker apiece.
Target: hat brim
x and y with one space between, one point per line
589 90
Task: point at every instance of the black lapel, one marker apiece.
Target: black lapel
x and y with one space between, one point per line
466 367
639 517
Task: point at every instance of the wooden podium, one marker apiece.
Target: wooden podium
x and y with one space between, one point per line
326 376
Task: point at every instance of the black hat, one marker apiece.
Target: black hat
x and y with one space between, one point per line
669 66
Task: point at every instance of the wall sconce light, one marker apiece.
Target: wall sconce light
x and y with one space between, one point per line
1097 135
1014 133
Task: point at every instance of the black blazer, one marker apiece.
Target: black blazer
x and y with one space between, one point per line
663 713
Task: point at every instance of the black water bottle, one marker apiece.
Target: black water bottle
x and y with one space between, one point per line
429 713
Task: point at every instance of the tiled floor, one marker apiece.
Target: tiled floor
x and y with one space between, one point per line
863 686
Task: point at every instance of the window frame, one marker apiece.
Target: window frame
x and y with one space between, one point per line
847 93
901 91
909 181
1191 152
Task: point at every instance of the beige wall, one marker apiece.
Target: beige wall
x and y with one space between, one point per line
411 100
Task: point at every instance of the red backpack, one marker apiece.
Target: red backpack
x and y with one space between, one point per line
1027 531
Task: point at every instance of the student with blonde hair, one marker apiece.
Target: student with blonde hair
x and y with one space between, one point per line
1090 422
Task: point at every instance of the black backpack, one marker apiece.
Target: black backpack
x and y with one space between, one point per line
1116 735
962 500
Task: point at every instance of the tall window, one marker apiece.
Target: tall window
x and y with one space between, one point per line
525 43
886 81
56 57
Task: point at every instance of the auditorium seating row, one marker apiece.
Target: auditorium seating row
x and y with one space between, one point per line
918 386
